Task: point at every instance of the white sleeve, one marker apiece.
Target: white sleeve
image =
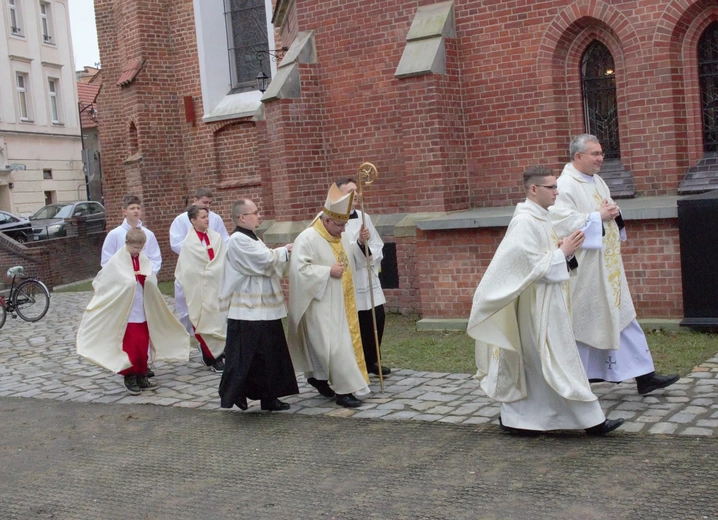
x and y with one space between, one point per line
110 246
558 272
152 250
217 224
178 232
593 229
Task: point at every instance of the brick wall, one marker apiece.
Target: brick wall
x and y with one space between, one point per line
511 98
57 261
450 266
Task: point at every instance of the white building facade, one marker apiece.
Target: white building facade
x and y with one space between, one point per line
40 136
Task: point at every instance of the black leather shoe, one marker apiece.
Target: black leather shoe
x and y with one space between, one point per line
321 386
605 427
348 401
242 403
149 373
650 382
374 369
274 405
518 431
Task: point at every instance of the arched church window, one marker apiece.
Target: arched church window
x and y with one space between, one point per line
246 22
708 75
598 81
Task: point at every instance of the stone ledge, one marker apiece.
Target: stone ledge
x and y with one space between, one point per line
643 208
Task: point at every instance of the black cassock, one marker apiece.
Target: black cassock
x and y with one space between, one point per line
257 362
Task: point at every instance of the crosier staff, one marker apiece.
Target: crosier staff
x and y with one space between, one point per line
367 175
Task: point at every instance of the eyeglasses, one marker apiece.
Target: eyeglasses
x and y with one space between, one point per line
594 154
549 186
252 213
338 224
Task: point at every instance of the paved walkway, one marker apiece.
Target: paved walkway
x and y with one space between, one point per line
38 360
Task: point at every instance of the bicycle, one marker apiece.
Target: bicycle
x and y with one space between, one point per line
29 299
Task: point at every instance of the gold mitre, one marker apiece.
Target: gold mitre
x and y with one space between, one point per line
338 205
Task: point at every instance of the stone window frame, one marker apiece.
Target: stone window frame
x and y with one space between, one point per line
54 99
218 102
14 11
23 96
47 27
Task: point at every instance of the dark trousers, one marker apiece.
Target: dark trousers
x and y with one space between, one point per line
367 333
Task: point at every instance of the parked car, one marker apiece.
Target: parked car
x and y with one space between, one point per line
15 227
49 222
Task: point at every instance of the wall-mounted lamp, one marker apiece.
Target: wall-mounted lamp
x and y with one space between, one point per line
262 79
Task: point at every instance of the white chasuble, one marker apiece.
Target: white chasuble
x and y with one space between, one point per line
200 279
520 304
102 328
319 337
600 301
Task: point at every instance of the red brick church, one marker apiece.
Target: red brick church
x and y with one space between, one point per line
450 100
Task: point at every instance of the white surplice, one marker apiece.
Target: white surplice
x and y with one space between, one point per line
251 288
200 279
526 354
361 275
115 240
319 339
602 311
114 303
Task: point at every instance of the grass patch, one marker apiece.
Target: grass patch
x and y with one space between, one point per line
431 351
452 351
678 352
166 288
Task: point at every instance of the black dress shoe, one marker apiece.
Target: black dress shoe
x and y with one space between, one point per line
149 373
348 401
605 427
374 369
242 403
518 431
321 386
650 382
273 405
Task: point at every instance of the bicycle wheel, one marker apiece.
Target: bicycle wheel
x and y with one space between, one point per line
31 300
3 312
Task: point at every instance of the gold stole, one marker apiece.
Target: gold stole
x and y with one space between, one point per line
612 256
350 305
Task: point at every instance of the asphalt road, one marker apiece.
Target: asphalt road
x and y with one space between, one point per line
69 460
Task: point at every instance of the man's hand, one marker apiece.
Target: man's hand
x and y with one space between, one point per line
608 210
363 236
337 271
289 247
571 243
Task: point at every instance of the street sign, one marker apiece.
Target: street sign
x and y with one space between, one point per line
14 167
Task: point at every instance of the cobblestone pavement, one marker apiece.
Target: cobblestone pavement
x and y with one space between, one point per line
69 460
38 360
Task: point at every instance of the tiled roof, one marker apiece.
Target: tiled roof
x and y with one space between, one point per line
701 177
618 179
87 95
130 71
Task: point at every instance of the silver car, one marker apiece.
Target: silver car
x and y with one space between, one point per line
49 222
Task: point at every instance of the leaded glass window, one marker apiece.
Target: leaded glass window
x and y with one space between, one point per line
246 35
708 75
598 80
